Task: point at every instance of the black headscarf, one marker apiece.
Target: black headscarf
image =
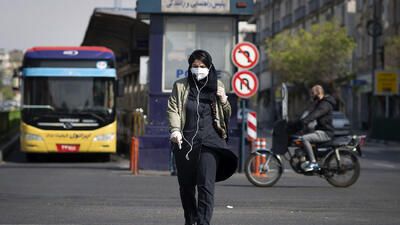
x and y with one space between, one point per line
208 93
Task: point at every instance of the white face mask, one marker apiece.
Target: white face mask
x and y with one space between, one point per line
199 73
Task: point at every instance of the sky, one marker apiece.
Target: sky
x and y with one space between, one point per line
28 23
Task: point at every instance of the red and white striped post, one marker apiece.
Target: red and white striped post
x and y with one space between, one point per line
251 126
252 130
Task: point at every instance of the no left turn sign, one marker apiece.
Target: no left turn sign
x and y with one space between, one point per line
245 55
245 84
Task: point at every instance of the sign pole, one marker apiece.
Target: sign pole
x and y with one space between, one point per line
244 55
387 106
243 138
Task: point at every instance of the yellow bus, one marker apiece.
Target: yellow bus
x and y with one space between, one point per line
68 100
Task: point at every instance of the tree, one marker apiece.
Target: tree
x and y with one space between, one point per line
305 58
392 53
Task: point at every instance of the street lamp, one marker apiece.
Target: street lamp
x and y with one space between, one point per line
374 29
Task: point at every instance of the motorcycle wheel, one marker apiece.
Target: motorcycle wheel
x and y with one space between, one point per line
264 169
344 175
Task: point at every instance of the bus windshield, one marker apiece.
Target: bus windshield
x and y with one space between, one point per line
92 97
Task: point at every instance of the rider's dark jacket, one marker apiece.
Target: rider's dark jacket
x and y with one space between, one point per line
322 113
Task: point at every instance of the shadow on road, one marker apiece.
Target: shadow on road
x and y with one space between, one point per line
19 159
277 186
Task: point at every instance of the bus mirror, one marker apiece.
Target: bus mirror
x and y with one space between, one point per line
120 88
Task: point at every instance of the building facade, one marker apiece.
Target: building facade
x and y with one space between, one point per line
388 15
275 16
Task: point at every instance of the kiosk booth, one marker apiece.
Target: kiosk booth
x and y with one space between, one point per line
177 28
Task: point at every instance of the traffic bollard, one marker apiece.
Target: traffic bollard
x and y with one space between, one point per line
259 160
134 156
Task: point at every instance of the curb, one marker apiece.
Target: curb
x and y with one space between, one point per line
378 142
6 147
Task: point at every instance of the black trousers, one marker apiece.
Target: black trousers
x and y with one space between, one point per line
197 172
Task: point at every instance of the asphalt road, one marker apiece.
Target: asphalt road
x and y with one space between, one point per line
86 192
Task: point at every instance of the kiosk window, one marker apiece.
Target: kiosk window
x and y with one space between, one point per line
184 34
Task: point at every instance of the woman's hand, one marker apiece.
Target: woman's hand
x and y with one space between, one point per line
176 137
221 94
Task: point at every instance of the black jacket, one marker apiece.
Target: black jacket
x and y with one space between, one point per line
322 113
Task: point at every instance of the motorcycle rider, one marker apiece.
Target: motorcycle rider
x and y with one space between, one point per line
322 113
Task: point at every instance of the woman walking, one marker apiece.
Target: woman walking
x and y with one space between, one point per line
198 113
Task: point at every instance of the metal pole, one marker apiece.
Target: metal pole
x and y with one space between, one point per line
242 142
374 45
272 97
387 106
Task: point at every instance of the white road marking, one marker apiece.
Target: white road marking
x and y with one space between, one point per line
386 165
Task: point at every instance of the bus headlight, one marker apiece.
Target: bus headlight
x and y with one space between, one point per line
104 137
32 137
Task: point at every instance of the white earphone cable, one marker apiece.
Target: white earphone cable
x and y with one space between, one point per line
198 117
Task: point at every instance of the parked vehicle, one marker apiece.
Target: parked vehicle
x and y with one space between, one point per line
340 123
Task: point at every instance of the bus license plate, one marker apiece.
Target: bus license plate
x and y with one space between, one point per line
67 148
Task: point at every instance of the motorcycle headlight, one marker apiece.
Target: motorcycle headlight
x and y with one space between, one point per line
104 137
32 137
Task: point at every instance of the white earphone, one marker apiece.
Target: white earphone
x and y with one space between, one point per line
198 116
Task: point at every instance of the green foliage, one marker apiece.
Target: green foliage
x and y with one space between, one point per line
7 92
392 53
305 58
9 123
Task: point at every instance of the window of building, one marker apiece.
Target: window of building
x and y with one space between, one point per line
359 5
368 45
288 7
396 11
268 18
385 15
358 47
184 34
343 10
262 21
277 12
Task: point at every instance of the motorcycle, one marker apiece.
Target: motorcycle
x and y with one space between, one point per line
337 159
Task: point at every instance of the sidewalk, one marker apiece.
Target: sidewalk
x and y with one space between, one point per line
382 143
